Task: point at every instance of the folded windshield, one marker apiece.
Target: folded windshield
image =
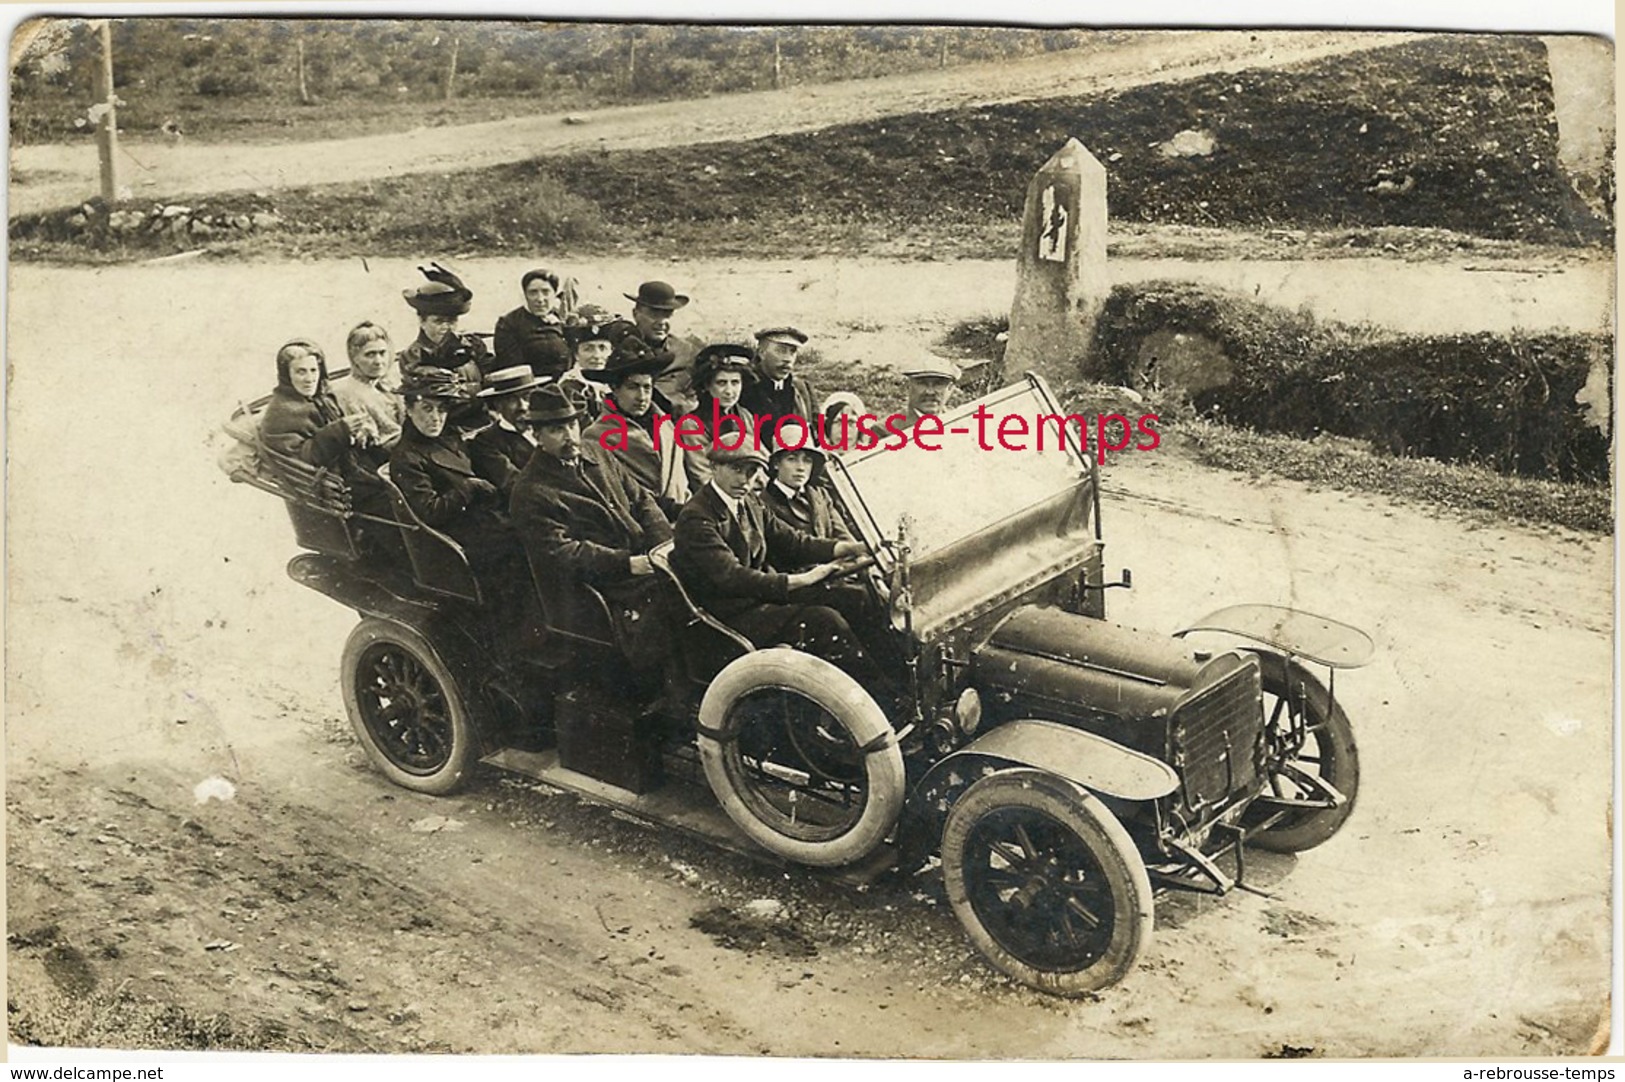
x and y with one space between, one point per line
972 482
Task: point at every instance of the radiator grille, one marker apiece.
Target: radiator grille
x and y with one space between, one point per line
1216 742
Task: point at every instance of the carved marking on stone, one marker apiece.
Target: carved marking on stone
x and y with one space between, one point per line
1052 241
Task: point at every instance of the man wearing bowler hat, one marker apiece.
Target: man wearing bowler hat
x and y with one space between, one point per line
653 306
728 552
778 390
502 448
626 427
582 518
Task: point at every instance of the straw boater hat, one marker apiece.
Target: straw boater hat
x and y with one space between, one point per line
552 404
506 381
444 294
657 295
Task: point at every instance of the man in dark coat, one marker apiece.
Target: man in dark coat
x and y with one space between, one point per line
653 306
501 449
727 552
533 334
778 390
582 519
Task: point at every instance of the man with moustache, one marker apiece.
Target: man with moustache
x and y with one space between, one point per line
582 518
779 391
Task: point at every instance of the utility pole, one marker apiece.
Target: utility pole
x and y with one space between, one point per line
304 91
107 125
778 64
451 71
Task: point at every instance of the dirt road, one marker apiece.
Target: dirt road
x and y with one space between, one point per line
154 644
47 176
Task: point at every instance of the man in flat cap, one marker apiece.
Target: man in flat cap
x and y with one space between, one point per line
533 333
439 303
581 517
778 390
727 553
930 383
653 306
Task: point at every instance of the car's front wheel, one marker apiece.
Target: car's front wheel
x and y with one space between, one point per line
1047 882
1318 778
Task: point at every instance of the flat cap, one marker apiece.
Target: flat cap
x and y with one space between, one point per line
736 456
781 334
932 367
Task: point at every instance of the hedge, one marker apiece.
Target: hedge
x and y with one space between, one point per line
1502 401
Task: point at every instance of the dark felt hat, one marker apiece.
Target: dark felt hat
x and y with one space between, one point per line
723 357
551 404
444 294
631 358
658 295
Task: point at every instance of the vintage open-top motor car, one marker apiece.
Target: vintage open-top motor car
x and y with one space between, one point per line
1063 768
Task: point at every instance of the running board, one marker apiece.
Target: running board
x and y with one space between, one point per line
680 805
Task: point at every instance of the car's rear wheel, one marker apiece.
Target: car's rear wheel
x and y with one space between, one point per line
1046 881
800 757
1326 761
406 707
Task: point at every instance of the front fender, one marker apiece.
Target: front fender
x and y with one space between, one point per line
1092 762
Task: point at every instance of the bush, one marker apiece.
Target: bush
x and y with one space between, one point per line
1502 401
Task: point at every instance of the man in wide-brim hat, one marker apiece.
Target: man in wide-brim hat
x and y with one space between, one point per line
582 518
779 390
729 552
502 448
626 426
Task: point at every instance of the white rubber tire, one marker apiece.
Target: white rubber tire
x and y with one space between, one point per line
834 692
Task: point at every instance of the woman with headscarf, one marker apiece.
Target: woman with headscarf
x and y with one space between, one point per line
303 419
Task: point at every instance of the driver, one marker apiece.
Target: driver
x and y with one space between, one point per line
727 552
